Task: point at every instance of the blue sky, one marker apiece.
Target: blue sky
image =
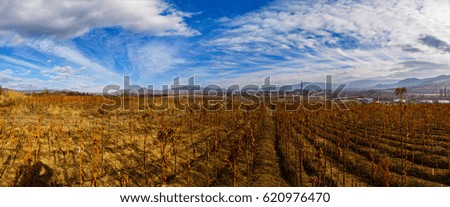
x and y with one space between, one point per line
86 45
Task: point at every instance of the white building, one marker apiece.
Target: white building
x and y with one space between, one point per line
365 100
398 101
443 101
426 101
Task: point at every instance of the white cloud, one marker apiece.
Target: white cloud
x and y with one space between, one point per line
371 22
70 53
73 18
6 72
8 39
91 76
9 79
154 58
19 62
350 39
59 72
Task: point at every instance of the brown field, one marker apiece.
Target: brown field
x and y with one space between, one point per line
56 140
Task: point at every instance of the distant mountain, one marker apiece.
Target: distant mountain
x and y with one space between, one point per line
417 85
366 84
425 85
439 81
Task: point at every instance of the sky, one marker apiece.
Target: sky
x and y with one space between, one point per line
86 45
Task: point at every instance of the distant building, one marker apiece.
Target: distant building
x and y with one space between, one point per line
426 101
365 100
398 101
443 101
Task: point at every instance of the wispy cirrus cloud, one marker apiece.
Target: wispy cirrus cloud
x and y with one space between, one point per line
350 39
154 58
60 72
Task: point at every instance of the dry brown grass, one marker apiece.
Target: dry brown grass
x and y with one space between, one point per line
10 98
53 140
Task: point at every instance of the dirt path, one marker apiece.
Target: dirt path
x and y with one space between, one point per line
267 167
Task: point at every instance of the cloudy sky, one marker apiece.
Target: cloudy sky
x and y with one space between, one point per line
85 45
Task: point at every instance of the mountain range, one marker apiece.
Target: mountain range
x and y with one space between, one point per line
423 85
439 81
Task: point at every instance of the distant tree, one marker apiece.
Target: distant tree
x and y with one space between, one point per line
400 92
1 90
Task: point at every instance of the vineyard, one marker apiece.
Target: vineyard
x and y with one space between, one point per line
56 140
